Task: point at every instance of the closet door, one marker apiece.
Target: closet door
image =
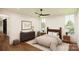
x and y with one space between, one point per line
5 26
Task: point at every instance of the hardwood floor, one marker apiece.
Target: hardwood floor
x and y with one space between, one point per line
73 47
5 46
23 47
19 47
4 42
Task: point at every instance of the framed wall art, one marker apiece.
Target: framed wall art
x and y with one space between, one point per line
26 25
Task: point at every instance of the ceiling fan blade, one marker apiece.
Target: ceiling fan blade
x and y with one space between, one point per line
45 14
36 13
41 14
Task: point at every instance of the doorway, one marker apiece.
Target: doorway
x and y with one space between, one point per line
5 26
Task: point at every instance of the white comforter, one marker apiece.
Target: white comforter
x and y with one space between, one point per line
61 47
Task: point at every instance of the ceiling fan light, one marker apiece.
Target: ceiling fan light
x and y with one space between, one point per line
41 14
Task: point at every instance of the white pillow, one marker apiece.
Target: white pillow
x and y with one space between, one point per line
50 33
53 34
44 40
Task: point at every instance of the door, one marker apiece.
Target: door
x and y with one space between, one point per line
5 26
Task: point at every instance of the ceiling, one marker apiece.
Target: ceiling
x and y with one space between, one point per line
51 11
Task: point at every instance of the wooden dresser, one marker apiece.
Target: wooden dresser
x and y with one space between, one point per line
26 36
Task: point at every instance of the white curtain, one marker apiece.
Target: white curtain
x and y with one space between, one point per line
77 27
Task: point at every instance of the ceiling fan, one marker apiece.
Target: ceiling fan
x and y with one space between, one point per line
41 14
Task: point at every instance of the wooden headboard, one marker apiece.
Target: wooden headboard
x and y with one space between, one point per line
55 30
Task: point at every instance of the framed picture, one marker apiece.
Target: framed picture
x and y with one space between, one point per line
26 25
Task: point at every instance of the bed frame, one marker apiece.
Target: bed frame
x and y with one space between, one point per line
55 30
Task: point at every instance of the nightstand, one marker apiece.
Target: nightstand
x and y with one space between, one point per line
40 33
66 38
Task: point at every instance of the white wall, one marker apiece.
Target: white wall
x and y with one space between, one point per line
56 22
75 39
77 27
14 24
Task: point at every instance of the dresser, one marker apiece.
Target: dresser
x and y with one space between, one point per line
26 36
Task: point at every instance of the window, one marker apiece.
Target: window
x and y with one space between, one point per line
69 24
43 23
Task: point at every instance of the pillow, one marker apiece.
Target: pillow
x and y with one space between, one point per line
53 34
56 37
44 40
50 33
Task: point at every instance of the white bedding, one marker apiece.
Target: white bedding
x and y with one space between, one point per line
62 47
48 41
32 42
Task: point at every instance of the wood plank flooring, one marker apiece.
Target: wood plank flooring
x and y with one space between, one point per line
23 47
5 46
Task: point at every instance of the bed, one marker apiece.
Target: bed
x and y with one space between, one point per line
61 47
